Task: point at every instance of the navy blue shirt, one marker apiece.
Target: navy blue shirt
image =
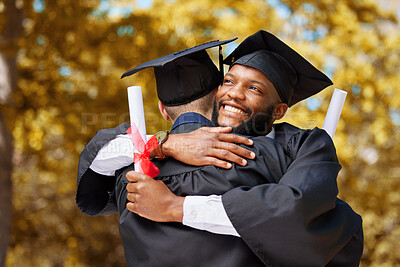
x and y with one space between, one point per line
191 117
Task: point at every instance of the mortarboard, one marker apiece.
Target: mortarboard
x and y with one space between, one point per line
184 76
292 75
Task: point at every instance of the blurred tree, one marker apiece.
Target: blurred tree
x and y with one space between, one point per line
72 53
12 28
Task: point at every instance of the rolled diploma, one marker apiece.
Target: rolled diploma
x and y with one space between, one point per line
136 114
334 110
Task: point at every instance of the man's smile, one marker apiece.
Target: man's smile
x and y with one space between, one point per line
233 109
231 113
230 107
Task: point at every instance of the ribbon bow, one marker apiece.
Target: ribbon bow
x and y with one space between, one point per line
143 157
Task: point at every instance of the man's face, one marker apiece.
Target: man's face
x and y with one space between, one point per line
245 101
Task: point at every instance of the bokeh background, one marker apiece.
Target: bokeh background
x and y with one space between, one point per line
60 63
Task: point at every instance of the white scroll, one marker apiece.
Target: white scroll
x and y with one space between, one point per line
334 111
136 113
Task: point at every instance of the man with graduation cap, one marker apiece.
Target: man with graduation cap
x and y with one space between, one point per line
103 191
186 85
297 220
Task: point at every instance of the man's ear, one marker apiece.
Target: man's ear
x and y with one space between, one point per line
163 111
280 111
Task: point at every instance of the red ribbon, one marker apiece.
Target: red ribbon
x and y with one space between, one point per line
143 157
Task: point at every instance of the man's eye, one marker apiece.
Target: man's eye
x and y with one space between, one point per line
254 88
228 81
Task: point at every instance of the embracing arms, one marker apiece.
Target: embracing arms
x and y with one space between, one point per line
299 215
109 151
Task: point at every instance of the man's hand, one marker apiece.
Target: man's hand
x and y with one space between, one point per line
208 146
152 199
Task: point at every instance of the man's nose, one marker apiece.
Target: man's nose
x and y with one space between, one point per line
237 92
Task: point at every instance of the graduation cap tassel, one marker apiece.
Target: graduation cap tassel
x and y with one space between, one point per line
221 64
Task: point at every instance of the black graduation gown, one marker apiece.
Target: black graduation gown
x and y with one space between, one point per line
320 228
284 202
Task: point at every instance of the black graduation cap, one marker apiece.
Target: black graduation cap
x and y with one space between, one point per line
292 75
186 75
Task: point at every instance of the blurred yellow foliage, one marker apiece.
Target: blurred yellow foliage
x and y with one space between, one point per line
70 59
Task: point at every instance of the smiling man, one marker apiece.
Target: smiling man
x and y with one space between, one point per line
286 214
186 85
242 87
296 221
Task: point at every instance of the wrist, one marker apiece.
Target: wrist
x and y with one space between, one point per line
176 209
158 153
167 147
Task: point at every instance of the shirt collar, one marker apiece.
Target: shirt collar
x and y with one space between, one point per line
191 117
271 134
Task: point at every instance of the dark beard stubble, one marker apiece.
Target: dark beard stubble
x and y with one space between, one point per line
254 125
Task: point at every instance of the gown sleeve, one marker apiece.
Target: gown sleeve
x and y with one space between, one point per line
95 191
299 221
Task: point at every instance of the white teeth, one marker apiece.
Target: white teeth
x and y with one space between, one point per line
233 109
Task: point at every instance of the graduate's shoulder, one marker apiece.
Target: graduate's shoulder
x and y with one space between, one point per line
287 131
294 138
120 129
103 136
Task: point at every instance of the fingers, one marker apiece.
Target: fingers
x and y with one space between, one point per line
234 138
224 136
136 187
131 188
234 150
134 207
217 162
131 197
226 155
217 129
131 207
135 177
